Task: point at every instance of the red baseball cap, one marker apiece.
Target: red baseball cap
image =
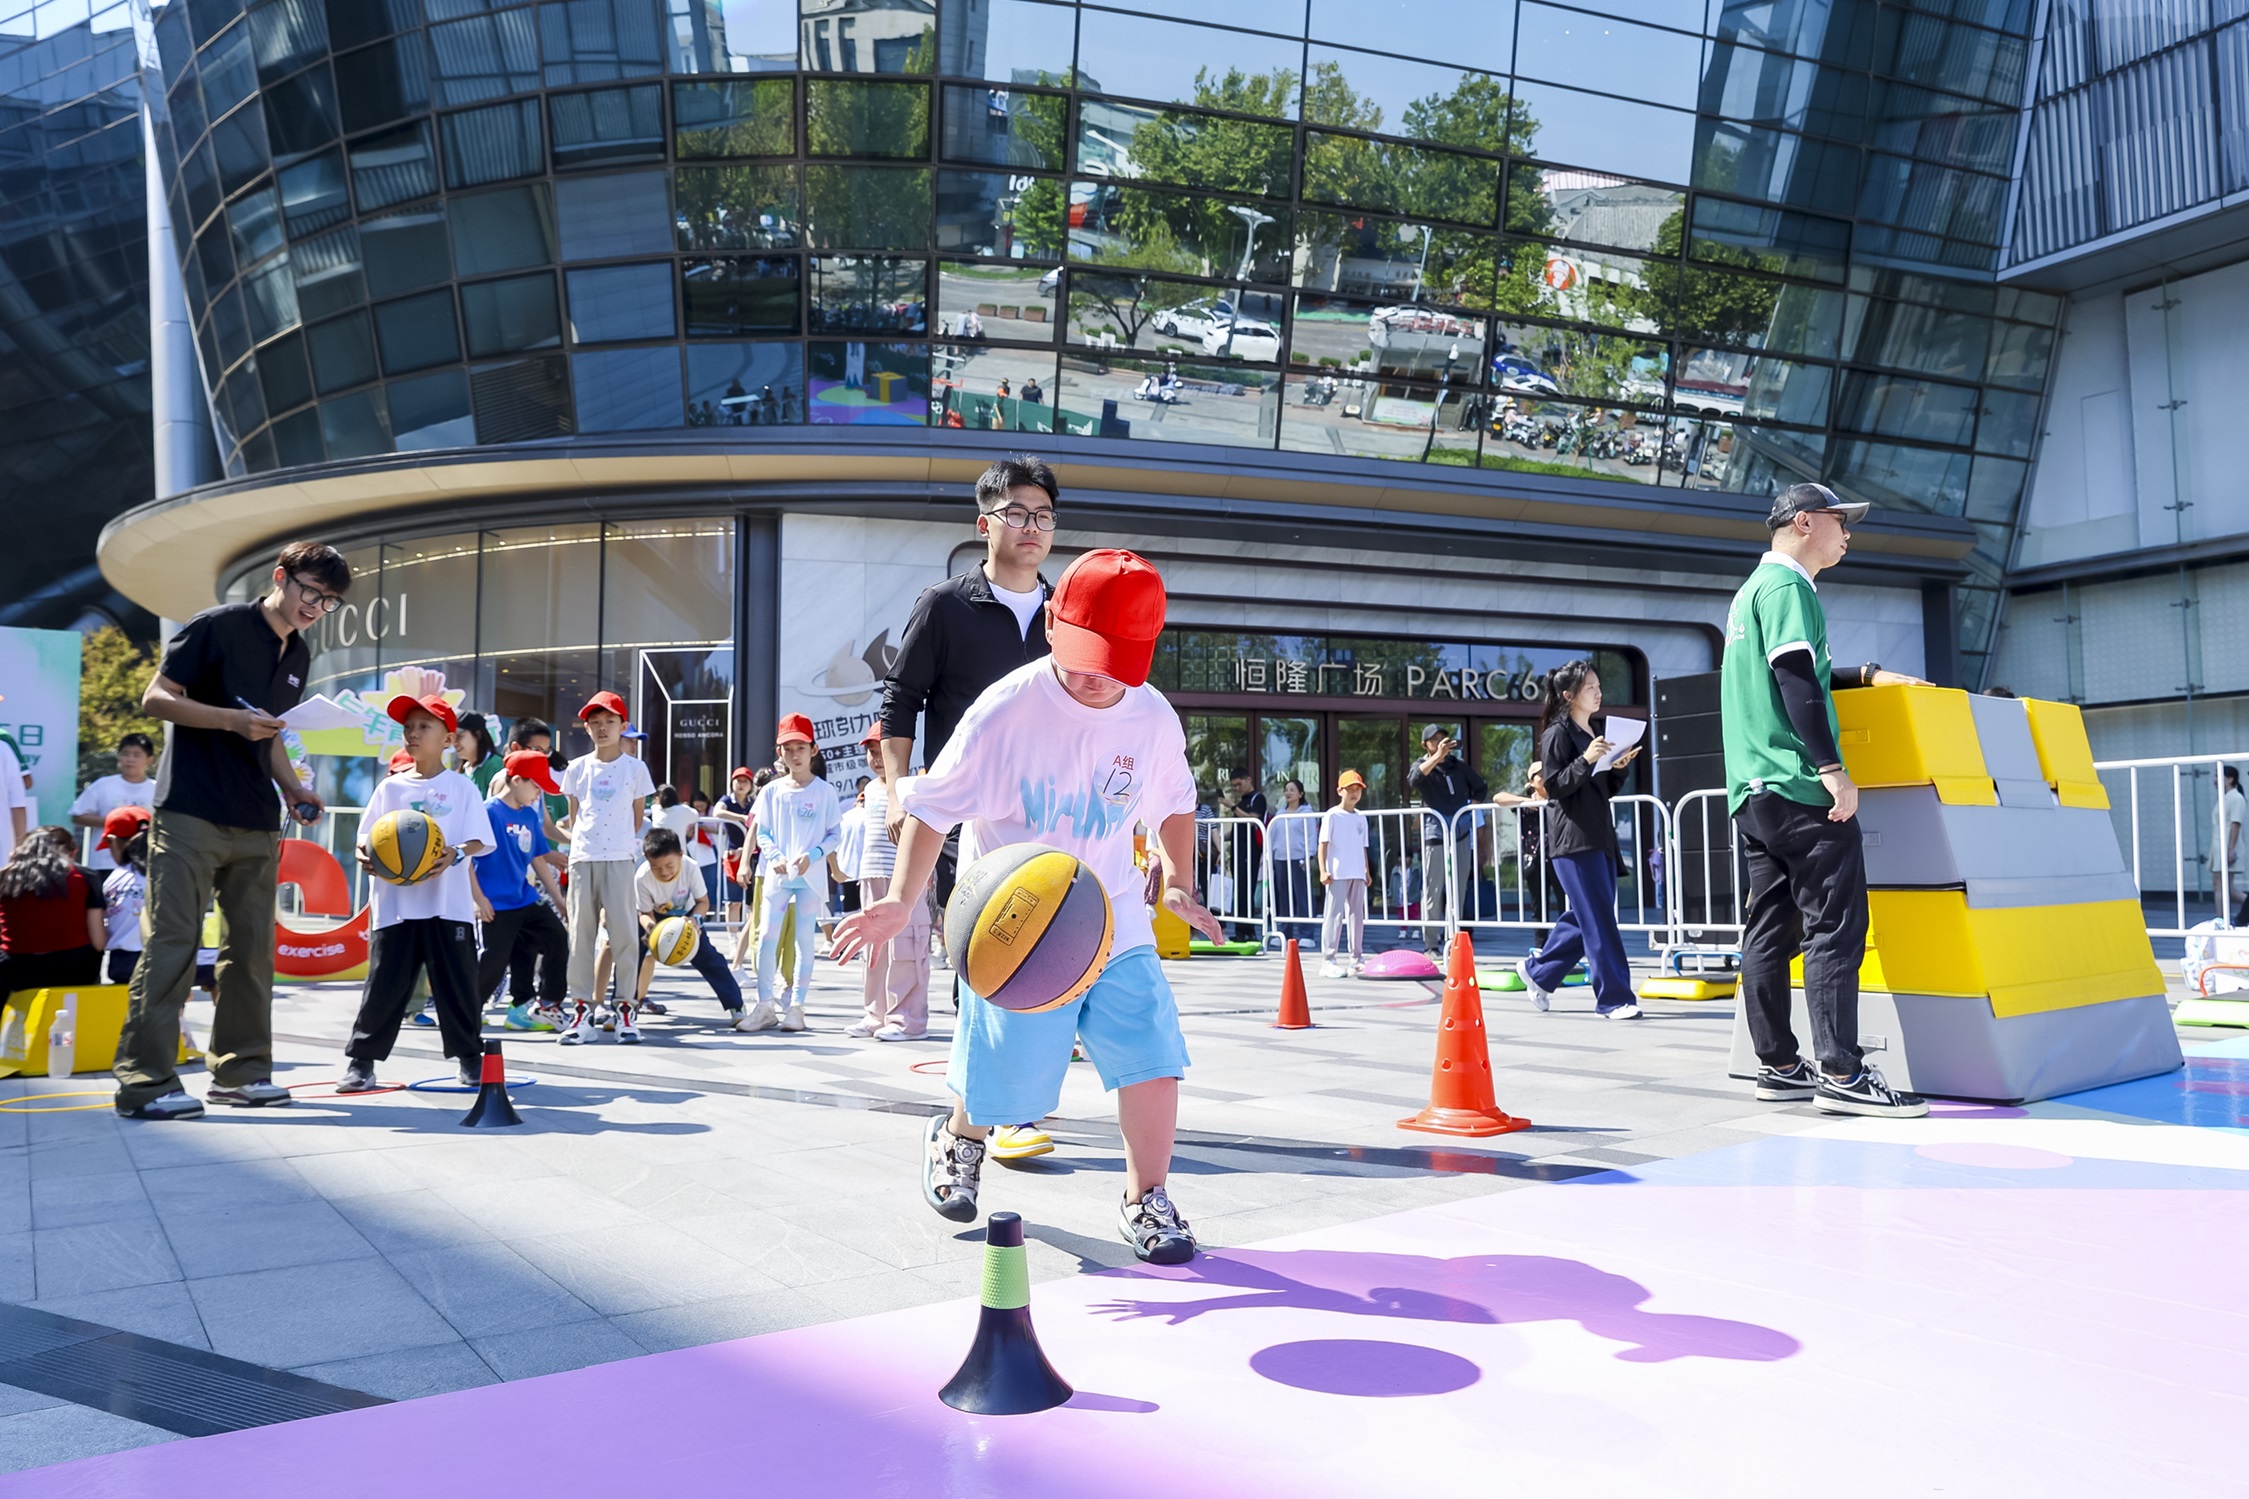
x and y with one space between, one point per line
403 760
872 736
601 701
743 773
124 822
795 728
436 706
533 767
1108 611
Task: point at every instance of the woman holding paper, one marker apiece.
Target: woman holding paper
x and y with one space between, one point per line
1583 769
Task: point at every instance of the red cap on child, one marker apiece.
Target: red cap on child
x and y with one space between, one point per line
1108 611
124 822
533 767
872 736
604 702
795 728
402 761
440 709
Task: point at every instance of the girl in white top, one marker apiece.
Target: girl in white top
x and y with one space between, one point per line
1343 870
798 822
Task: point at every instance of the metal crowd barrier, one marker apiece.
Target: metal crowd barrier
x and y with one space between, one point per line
2166 822
1230 873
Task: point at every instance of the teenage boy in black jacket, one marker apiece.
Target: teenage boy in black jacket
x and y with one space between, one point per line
965 634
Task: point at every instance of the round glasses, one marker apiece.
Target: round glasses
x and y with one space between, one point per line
315 595
1017 518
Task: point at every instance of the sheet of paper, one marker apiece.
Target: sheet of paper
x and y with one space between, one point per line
320 712
1622 734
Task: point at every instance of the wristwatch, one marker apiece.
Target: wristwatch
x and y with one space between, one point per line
1866 673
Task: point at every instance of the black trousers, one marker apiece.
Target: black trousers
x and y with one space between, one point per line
518 942
1807 893
49 970
401 953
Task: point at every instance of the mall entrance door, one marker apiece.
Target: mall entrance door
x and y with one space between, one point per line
1315 748
687 708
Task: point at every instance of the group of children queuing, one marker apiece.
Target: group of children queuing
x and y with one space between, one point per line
488 911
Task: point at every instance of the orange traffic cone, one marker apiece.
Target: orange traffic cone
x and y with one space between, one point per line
1460 1089
1296 1008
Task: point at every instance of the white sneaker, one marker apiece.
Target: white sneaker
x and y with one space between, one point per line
1622 1012
579 1028
628 1034
793 1018
1540 998
1331 970
900 1033
862 1029
762 1017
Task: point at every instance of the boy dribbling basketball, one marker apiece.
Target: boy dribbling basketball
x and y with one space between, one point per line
1073 751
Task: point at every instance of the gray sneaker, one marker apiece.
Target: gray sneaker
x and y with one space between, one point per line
472 1074
176 1104
359 1077
1154 1229
263 1093
949 1177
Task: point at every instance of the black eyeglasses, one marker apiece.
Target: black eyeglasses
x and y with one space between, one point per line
315 595
1017 518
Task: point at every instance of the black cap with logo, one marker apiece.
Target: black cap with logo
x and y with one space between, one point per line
1810 499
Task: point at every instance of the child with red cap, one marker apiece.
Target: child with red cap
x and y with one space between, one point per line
125 889
1074 751
520 890
608 791
797 821
428 927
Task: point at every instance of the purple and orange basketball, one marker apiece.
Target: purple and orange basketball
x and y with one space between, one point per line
1029 926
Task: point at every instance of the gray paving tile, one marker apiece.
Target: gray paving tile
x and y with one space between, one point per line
315 1314
408 1374
226 1188
639 1267
510 1208
487 1289
778 1249
164 1310
86 1156
551 1350
101 1257
401 1222
15 1401
19 1280
97 1197
263 1238
694 1323
62 1433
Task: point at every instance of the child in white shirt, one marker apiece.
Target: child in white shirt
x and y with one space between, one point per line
669 884
798 822
430 926
608 791
125 888
1343 870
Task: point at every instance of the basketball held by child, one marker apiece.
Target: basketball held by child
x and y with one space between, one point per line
405 847
674 941
1032 926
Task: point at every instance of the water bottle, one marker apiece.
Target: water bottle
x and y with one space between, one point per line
62 1039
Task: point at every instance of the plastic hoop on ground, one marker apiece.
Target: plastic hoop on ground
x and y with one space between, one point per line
933 1068
332 1082
16 1105
455 1085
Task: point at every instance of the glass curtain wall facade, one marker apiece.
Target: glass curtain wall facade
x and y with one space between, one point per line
74 325
531 621
1662 242
2142 112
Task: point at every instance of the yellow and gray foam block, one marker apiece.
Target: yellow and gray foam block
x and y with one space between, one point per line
2007 956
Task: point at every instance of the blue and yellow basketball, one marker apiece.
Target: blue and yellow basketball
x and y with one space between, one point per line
1029 927
674 941
405 846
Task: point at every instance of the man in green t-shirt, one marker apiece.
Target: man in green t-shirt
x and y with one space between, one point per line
1797 813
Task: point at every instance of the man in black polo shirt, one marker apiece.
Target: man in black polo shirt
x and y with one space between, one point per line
1445 784
965 634
224 679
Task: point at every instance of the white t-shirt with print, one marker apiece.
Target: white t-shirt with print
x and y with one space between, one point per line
673 897
1345 834
607 791
792 820
124 893
453 802
104 796
1031 764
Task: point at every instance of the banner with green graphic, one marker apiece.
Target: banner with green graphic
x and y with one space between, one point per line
39 712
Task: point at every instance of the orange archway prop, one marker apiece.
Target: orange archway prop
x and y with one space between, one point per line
320 880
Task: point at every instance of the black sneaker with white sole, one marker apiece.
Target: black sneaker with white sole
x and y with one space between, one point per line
359 1077
1154 1229
177 1104
950 1172
1780 1084
1867 1094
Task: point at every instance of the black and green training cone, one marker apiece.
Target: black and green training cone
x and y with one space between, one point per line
1005 1373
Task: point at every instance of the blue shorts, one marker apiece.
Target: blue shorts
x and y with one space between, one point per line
1007 1067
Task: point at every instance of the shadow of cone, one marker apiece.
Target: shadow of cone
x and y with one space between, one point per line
1006 1372
493 1108
1460 1088
1296 1008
